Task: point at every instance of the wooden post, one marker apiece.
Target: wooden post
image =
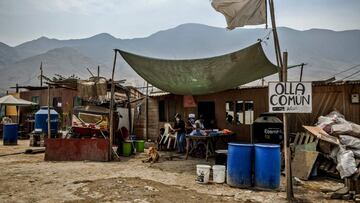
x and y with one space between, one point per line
41 75
112 104
129 112
147 111
287 152
49 121
276 38
18 114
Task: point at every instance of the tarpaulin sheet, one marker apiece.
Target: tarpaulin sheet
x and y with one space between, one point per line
206 75
241 12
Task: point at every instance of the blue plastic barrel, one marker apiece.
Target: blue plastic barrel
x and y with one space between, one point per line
267 166
41 118
239 165
10 134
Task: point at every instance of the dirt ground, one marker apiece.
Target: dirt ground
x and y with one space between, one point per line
28 178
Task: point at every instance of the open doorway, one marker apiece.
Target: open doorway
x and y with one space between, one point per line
207 110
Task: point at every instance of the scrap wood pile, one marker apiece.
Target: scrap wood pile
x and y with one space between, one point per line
336 153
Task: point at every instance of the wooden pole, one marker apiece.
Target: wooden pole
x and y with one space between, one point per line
41 75
287 152
49 121
111 137
276 38
129 112
147 111
18 114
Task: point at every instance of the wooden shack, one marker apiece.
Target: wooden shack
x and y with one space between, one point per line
244 105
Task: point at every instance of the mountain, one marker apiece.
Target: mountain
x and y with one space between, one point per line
8 55
326 52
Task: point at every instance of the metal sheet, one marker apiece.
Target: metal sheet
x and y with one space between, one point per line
77 150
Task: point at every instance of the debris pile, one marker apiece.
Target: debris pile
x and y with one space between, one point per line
338 144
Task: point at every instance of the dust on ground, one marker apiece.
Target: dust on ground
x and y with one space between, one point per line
28 178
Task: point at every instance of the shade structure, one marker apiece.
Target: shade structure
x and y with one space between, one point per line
10 100
206 75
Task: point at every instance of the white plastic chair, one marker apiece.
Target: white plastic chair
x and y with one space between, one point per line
168 136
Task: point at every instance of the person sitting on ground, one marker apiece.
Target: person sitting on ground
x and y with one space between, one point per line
179 127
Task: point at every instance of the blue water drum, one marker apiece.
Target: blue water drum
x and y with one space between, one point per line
41 117
10 134
267 166
239 165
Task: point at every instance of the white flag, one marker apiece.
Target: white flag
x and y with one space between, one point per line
239 13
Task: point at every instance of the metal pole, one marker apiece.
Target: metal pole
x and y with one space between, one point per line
276 38
301 71
147 111
112 104
98 72
48 121
287 152
90 72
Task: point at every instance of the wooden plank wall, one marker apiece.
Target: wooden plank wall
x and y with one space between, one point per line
67 96
139 119
325 99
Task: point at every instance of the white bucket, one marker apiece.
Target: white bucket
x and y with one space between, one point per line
203 173
219 173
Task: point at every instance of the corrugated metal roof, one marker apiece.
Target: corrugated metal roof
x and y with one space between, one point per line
158 93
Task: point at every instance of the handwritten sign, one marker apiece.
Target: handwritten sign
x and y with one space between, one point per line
290 97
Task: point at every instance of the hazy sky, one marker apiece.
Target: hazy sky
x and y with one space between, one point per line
24 20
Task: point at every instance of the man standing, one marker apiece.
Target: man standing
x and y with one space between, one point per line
179 127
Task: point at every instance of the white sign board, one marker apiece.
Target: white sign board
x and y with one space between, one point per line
290 97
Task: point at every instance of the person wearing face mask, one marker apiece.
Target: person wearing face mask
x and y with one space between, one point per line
179 127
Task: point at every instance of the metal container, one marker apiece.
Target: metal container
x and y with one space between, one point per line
41 120
267 129
10 134
239 165
267 166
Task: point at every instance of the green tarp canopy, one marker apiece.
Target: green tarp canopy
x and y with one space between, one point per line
205 75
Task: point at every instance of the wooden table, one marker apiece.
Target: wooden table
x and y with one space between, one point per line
209 141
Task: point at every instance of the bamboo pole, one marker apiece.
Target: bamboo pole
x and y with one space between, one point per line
111 136
287 152
49 121
276 38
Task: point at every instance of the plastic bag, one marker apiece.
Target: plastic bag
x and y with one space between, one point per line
346 162
356 152
349 141
348 129
339 129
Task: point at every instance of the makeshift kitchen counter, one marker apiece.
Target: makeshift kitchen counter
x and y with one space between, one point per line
209 140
